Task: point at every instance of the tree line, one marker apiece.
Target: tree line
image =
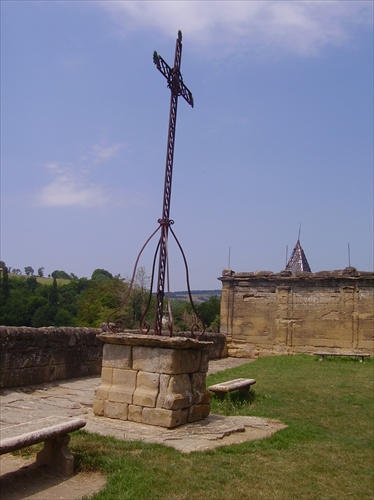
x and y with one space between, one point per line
26 300
29 271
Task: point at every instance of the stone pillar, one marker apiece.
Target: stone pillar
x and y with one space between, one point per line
153 379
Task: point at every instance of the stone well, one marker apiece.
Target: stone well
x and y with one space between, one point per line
153 379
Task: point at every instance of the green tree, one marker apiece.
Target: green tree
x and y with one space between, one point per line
99 300
68 295
41 272
44 316
53 294
61 275
29 271
30 303
15 312
35 301
137 301
210 312
142 279
4 283
101 275
31 284
182 315
139 297
64 317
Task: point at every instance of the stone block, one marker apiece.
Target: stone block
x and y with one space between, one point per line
164 418
116 410
124 378
204 361
205 410
135 413
169 361
60 372
147 387
59 356
102 392
117 356
175 393
163 390
106 375
118 395
155 360
191 360
198 412
218 348
236 330
98 406
123 386
200 395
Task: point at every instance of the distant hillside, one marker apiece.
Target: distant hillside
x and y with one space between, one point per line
41 280
198 296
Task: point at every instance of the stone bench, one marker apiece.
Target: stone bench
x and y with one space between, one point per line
54 431
239 384
360 355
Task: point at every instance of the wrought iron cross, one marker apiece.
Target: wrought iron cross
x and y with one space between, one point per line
177 88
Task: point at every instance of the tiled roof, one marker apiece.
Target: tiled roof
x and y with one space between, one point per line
298 262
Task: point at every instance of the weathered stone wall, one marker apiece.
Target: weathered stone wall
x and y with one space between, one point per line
265 313
36 355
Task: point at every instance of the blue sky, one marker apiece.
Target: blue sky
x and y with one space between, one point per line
281 134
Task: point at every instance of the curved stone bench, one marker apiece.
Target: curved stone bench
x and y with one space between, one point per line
54 431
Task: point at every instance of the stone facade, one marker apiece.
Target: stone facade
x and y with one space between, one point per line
266 313
153 380
37 355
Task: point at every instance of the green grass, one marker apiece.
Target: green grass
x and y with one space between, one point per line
326 452
42 281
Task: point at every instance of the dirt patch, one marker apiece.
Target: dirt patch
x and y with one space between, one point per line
22 478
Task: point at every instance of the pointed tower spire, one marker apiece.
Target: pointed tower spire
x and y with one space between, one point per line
298 262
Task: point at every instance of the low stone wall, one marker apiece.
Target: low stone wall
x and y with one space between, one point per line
31 356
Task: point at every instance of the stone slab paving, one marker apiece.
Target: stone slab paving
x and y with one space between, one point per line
74 398
214 431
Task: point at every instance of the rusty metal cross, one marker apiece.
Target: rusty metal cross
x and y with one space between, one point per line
177 88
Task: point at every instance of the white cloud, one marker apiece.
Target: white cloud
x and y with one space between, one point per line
102 154
296 27
69 187
65 192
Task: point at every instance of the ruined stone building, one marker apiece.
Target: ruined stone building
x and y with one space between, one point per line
297 311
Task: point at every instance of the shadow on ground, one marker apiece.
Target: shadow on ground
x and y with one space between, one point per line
23 478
